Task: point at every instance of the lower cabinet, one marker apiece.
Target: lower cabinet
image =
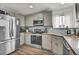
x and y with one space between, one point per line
22 38
57 45
53 43
46 41
27 39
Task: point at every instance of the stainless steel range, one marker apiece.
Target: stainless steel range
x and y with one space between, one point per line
36 40
36 37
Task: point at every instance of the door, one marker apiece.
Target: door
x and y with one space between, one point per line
17 28
9 47
13 45
13 27
5 47
2 33
4 29
17 44
57 45
46 42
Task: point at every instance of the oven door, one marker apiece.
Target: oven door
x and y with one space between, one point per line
36 39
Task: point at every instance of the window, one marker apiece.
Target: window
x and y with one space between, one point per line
62 21
58 21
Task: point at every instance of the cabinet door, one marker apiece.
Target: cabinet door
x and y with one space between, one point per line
47 19
46 42
21 38
28 39
57 45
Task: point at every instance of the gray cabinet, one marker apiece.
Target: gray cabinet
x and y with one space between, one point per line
53 43
46 41
47 18
27 39
22 38
57 45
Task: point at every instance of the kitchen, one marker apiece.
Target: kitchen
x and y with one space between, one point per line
51 29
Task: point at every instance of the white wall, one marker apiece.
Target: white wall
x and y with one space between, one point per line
66 11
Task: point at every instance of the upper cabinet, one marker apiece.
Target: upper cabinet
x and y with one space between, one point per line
46 16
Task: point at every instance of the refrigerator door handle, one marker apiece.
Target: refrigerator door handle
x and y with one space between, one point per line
12 28
9 28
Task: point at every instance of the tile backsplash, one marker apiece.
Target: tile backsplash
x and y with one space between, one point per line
59 31
62 31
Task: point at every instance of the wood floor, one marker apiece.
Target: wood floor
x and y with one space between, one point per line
28 50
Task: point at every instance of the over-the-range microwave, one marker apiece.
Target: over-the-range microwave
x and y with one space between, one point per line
38 22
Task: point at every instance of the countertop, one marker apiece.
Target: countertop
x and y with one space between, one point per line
72 40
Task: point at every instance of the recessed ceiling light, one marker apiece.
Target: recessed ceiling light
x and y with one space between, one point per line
31 6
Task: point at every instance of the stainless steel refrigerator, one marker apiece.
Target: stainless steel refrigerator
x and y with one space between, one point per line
9 34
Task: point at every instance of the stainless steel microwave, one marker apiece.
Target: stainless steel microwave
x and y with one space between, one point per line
38 22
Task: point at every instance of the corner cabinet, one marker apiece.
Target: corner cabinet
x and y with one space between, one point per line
53 43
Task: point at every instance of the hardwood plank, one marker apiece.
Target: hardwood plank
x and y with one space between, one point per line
28 50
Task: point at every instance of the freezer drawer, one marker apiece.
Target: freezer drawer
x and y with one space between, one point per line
5 47
2 33
17 44
13 45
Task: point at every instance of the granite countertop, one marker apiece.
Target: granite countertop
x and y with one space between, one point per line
73 41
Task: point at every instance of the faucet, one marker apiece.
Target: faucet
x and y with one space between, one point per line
68 30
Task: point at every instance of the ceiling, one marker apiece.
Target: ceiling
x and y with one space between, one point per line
23 8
